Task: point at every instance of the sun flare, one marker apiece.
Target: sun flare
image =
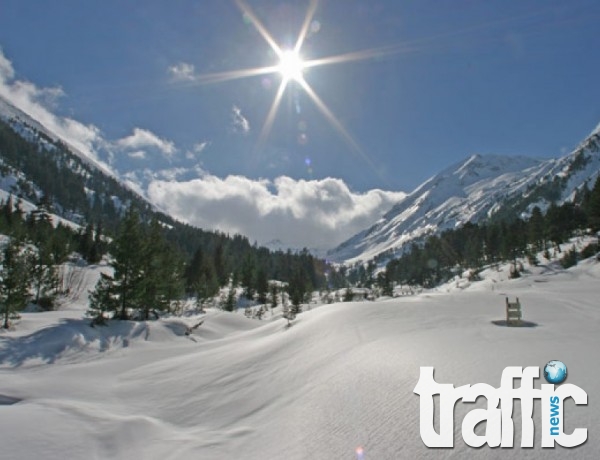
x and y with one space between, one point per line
291 65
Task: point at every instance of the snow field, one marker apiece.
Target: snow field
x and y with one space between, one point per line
341 377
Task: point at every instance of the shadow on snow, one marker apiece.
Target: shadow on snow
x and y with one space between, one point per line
54 342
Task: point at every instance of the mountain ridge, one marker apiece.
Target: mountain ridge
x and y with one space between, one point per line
479 187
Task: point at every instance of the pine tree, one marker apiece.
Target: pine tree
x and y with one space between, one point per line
593 208
128 251
262 285
44 275
384 282
102 300
7 211
555 227
348 295
220 265
174 286
59 244
535 229
297 288
273 295
154 272
201 278
248 277
15 274
230 300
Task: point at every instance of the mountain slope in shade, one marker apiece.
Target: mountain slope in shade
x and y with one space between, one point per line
477 188
27 126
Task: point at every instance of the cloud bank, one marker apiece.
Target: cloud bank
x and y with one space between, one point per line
316 213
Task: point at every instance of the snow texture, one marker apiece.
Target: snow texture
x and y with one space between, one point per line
339 379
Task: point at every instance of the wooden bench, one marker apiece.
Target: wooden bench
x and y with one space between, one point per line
513 313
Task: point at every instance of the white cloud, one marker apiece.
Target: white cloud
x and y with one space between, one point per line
38 102
199 147
315 214
183 71
7 72
240 123
196 150
138 155
141 138
171 173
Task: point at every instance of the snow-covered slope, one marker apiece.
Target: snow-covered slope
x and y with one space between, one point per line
338 384
78 183
479 187
26 127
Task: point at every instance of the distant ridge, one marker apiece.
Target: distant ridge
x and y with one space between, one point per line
482 186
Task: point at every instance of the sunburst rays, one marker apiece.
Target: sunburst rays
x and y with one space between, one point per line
291 68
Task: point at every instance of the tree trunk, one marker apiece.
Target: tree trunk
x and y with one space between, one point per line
6 312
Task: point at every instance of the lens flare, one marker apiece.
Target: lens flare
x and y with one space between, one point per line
360 453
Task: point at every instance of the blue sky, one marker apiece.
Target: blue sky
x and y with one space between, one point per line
441 81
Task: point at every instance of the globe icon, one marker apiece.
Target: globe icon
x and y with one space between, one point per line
555 372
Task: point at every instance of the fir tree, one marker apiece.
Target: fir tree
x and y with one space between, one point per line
44 276
273 295
262 285
593 208
385 284
102 300
535 229
248 277
297 288
128 251
230 300
15 274
154 272
201 278
348 295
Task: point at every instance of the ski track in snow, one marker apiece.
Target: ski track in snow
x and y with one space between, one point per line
341 377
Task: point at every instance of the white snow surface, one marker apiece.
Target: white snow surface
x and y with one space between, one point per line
342 376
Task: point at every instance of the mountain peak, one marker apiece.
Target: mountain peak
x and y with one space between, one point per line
476 188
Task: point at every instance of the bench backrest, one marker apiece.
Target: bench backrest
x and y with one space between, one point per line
513 311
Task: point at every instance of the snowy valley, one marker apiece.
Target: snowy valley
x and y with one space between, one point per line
336 384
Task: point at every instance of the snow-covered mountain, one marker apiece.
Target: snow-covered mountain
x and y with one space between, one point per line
36 161
477 188
30 129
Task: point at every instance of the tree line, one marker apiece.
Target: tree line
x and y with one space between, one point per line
471 246
150 274
34 249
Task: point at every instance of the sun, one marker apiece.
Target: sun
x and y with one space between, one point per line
291 66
